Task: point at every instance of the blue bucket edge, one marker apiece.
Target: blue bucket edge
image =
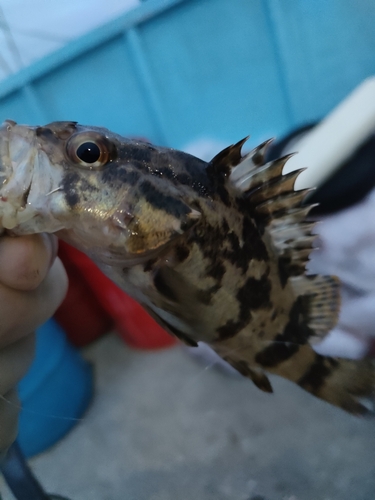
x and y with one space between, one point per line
55 393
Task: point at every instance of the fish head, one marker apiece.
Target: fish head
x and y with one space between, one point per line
95 189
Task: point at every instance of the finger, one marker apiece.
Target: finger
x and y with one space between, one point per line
22 312
9 409
15 360
25 260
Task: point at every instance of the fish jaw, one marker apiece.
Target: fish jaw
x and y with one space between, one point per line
17 157
26 180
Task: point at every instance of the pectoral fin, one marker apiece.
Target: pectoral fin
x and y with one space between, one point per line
151 227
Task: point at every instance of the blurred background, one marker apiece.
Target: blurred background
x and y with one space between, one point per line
155 422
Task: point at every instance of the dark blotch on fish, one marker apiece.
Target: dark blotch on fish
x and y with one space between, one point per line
45 132
115 173
69 185
182 252
253 242
149 265
254 294
296 333
276 353
239 256
205 296
208 245
140 152
224 195
283 271
316 375
216 271
230 329
157 199
252 246
287 268
163 287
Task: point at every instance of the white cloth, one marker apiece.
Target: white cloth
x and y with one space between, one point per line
346 243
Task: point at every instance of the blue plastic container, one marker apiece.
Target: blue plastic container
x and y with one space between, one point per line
177 71
55 392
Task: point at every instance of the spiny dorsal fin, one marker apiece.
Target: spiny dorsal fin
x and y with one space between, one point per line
249 163
258 154
280 204
274 187
231 157
228 158
246 177
270 196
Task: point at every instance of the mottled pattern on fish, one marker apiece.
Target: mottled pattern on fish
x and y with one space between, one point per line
216 252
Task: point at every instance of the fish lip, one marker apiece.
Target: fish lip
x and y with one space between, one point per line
16 148
5 130
8 125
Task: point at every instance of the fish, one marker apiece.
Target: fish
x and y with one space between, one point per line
215 251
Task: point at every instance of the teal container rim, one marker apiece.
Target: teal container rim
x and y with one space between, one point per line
85 43
51 344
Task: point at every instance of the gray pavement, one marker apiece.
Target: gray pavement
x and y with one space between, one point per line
164 426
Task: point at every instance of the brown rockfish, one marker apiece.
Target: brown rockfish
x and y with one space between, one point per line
216 251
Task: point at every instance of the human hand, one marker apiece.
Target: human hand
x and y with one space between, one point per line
33 283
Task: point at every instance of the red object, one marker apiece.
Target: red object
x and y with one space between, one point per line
94 303
81 314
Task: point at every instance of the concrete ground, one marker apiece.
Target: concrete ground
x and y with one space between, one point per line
163 426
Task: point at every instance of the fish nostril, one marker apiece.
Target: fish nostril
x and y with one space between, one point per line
39 131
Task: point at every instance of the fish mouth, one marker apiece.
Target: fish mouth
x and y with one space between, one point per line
31 200
17 157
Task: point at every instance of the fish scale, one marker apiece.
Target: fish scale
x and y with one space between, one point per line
215 252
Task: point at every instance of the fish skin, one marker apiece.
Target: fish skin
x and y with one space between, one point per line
215 252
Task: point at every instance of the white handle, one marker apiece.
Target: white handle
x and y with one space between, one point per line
331 142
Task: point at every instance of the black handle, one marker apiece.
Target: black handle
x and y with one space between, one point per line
20 479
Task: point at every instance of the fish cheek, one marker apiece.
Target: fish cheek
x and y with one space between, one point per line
151 229
79 189
158 218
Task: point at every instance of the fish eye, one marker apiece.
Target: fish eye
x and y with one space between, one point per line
89 150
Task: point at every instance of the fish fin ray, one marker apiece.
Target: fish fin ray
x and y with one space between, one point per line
228 158
269 197
257 375
261 380
322 304
231 162
249 175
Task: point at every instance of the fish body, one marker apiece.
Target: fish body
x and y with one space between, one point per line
215 252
